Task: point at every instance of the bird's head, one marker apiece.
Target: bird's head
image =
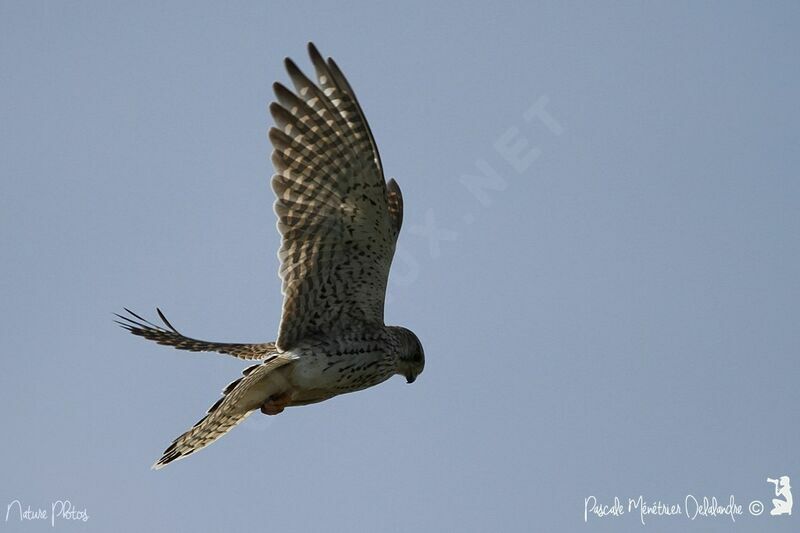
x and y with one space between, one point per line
411 358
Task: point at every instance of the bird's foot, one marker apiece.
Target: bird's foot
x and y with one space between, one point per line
276 403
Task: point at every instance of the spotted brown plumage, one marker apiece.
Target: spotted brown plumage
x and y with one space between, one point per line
332 206
169 336
339 221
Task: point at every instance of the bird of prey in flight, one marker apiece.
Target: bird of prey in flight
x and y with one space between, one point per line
339 221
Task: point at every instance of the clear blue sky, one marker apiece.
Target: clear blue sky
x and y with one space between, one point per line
607 289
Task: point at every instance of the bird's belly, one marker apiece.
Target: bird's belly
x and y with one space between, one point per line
317 377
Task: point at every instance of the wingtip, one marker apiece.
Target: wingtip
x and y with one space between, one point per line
313 51
290 65
166 322
333 66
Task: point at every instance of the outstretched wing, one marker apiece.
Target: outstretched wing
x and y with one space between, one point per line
169 336
338 219
239 399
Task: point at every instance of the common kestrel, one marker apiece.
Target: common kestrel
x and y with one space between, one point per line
339 221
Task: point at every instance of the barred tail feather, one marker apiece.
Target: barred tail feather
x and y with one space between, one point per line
207 430
240 398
